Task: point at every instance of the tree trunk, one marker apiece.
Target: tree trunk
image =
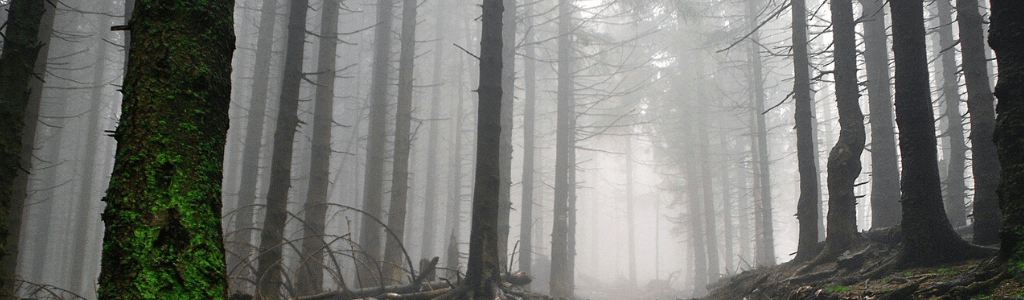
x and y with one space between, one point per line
428 244
453 213
15 221
164 199
984 158
694 214
373 179
560 265
482 271
844 159
727 231
309 277
956 211
630 218
529 131
707 191
1006 37
807 205
765 233
508 57
241 245
17 63
885 173
928 237
403 139
270 261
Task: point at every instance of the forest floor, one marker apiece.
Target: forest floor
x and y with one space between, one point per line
845 279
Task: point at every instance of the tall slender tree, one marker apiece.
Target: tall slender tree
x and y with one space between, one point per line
403 143
431 200
560 249
529 144
885 173
508 58
373 177
309 278
956 190
765 231
483 278
807 205
240 246
984 157
270 262
164 200
21 183
17 63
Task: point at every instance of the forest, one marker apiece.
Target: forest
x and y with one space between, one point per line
511 149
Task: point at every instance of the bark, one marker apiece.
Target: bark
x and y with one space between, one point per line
482 271
15 221
956 210
403 142
269 259
807 204
428 245
529 140
1006 37
765 234
844 159
17 64
373 178
560 268
508 57
885 173
984 157
928 237
309 277
241 244
164 199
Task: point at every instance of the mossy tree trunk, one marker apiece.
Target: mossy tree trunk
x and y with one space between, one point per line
269 259
1006 37
17 65
163 237
885 173
984 158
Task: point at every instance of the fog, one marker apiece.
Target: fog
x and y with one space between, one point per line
676 109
